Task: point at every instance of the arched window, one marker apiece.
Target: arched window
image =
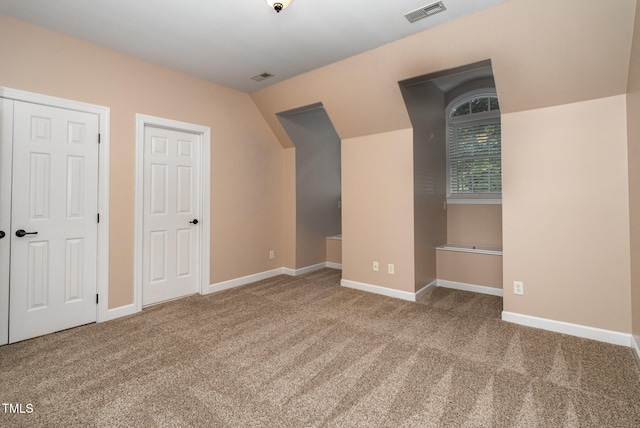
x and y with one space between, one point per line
474 166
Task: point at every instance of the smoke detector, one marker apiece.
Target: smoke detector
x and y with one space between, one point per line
425 11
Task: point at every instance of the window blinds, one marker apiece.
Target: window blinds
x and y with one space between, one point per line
474 157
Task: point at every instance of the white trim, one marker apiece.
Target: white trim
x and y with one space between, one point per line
6 179
427 288
608 336
469 201
635 344
469 249
389 292
312 268
103 180
143 120
488 91
121 311
306 269
232 283
470 287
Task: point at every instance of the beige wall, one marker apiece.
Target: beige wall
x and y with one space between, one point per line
377 209
317 185
334 250
426 107
470 268
569 245
289 214
633 123
566 213
561 77
246 160
476 225
543 53
479 225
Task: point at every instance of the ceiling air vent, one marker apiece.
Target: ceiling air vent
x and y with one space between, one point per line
261 77
425 11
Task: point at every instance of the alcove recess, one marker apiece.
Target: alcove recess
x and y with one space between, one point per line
318 184
458 244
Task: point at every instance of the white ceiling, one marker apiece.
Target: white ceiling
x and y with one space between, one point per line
228 42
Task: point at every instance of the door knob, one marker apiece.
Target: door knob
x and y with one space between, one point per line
2 234
20 233
195 221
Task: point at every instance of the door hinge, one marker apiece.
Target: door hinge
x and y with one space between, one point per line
98 217
99 135
97 299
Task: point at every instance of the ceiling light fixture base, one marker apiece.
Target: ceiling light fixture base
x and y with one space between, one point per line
279 5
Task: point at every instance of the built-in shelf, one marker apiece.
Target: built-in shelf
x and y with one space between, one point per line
470 249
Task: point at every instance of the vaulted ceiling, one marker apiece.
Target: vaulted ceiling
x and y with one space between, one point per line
228 42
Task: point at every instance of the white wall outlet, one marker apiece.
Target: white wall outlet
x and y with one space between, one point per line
272 254
391 269
376 267
518 287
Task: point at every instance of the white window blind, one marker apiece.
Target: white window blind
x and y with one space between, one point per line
475 157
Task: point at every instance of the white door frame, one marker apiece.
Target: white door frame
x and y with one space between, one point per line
103 188
205 198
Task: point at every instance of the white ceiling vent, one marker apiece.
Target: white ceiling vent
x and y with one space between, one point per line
261 77
425 11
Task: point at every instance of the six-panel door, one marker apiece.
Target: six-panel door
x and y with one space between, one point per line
54 203
171 205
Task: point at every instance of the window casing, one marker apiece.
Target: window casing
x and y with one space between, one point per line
474 149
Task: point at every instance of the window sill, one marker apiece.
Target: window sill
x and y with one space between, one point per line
470 249
461 201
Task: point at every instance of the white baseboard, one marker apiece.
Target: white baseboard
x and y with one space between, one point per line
232 283
306 269
125 310
470 287
607 336
432 285
237 282
390 292
635 344
120 311
412 297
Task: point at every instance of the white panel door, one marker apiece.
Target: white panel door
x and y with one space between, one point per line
6 139
171 243
53 220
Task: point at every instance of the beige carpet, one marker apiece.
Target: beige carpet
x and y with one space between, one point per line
306 352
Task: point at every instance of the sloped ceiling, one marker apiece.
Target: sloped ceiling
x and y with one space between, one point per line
543 53
228 42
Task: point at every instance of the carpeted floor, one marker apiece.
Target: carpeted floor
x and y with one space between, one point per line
303 351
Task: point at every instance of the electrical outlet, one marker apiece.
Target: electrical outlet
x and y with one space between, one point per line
391 269
272 254
518 287
375 266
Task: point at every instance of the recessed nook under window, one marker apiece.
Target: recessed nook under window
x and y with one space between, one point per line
455 116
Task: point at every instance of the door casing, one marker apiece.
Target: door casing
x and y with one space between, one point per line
103 195
143 120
